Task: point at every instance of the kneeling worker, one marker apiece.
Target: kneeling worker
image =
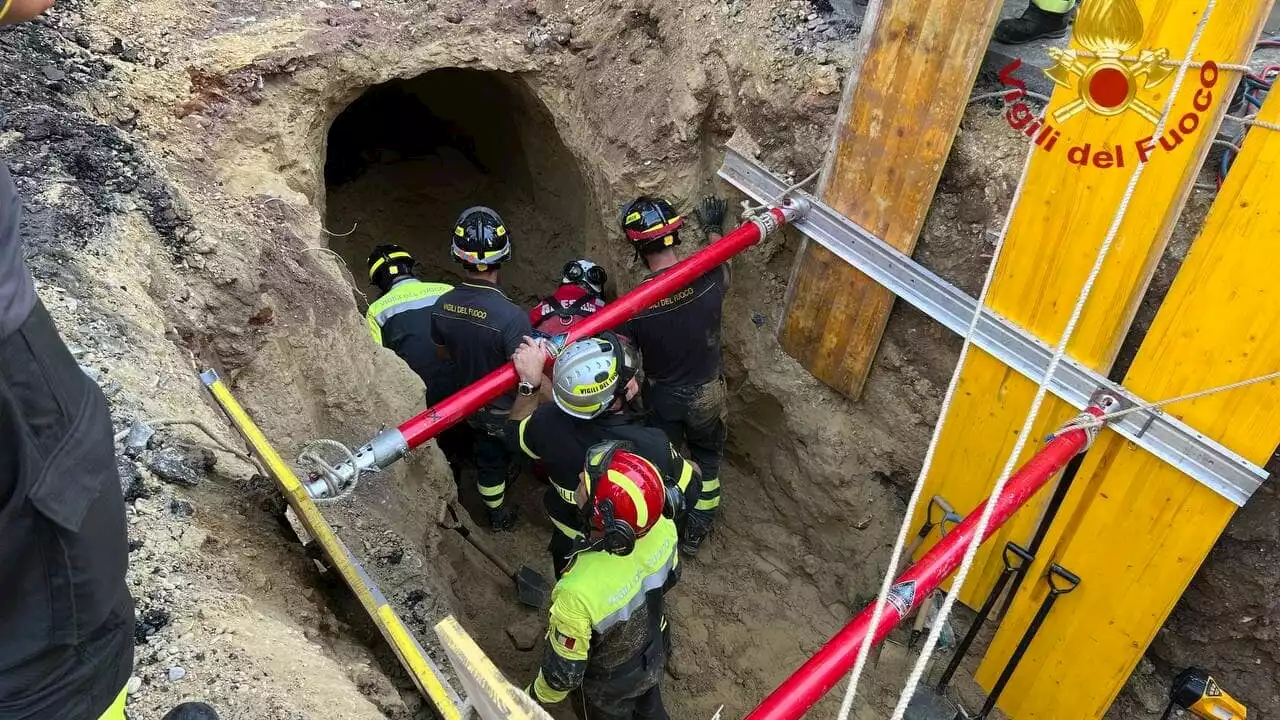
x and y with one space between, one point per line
592 384
604 638
400 320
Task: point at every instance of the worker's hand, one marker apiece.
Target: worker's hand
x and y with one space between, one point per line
22 10
530 359
711 214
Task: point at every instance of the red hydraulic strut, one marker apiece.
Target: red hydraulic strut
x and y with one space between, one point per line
806 686
421 428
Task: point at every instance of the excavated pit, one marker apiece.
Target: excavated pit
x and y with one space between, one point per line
408 156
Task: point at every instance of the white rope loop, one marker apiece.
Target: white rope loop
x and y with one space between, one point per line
984 520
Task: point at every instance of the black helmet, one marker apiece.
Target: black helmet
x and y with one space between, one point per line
388 263
651 223
480 240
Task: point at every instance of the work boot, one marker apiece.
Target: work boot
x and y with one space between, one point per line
502 517
1033 24
191 711
696 529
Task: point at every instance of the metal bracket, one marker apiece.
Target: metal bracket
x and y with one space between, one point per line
1174 442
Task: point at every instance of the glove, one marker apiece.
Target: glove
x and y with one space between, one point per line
711 214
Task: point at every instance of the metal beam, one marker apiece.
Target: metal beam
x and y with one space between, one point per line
1160 434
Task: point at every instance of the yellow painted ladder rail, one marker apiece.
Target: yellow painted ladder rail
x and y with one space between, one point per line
1132 527
1053 238
489 693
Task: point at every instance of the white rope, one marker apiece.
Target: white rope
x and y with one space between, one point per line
984 520
1096 421
895 558
749 211
1254 122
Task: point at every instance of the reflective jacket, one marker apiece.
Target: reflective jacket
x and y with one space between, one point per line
606 611
400 320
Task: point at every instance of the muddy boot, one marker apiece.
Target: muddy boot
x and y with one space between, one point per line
502 518
191 711
1033 24
696 529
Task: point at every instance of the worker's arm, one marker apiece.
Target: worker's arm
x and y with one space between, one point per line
564 659
529 359
16 11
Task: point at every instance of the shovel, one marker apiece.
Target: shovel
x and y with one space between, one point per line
532 588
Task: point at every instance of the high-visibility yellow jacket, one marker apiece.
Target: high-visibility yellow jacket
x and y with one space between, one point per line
606 610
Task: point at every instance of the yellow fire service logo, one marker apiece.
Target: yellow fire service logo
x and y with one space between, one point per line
1107 84
1106 79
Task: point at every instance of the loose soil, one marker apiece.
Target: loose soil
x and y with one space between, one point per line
184 168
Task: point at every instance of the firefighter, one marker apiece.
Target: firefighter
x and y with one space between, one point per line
1042 19
679 339
580 294
592 384
604 641
479 328
400 320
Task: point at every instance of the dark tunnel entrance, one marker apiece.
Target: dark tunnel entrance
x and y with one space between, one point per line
409 155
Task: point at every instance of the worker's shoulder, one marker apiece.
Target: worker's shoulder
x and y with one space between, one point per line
409 291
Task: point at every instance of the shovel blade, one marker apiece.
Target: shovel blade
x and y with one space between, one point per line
929 704
531 588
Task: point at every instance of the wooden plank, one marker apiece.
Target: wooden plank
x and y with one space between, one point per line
1060 223
901 108
1132 527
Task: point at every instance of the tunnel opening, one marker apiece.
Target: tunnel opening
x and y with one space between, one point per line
406 157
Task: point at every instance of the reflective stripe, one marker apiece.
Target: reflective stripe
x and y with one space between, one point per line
520 437
116 711
711 504
565 529
637 497
569 496
712 484
622 614
414 304
686 476
493 491
410 294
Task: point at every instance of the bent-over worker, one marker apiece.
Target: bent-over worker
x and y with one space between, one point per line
604 641
592 384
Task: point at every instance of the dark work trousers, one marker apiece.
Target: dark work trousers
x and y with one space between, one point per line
456 442
491 456
694 416
633 695
66 618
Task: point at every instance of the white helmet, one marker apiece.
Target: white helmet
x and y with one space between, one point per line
590 374
585 272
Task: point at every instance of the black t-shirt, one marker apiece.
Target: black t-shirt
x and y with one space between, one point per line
679 336
17 293
481 328
561 442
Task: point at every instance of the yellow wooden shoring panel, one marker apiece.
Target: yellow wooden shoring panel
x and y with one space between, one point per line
1132 527
1057 229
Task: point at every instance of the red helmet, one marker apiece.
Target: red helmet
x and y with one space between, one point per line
625 496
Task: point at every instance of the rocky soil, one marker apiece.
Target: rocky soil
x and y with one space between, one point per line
171 158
